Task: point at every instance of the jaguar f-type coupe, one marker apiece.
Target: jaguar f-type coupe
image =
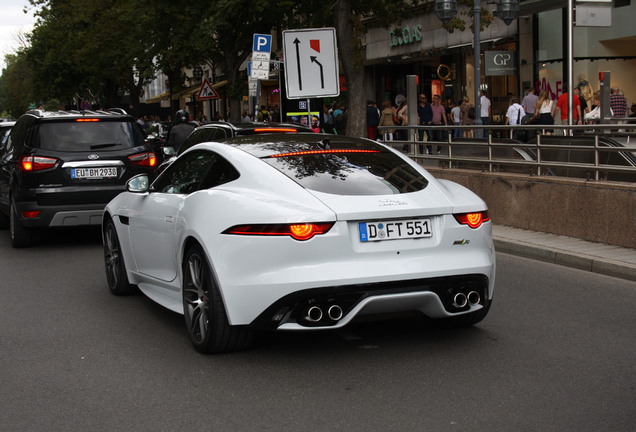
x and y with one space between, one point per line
299 232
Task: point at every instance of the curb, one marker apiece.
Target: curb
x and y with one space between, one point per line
589 263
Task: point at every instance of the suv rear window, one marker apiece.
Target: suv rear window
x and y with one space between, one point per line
89 135
350 172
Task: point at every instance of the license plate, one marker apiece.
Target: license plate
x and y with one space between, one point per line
395 229
94 173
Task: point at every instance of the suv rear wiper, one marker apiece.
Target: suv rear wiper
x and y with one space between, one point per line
99 146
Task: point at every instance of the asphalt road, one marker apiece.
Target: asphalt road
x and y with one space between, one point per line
556 353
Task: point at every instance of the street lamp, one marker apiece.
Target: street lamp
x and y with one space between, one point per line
507 10
197 73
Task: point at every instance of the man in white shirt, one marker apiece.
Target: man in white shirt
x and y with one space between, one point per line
485 114
514 115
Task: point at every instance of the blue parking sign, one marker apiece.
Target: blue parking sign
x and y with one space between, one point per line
262 43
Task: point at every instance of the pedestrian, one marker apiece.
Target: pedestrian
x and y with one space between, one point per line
439 118
403 118
543 111
467 116
514 115
456 112
386 119
485 114
618 104
327 120
529 101
373 120
263 114
562 106
425 117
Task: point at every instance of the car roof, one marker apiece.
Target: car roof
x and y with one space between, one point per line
115 113
239 127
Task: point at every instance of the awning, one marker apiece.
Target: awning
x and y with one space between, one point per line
192 90
158 98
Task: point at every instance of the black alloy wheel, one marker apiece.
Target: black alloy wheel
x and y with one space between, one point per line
116 275
205 316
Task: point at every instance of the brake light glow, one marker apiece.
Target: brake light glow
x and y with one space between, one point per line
473 220
84 120
36 163
148 159
317 152
300 232
272 130
30 214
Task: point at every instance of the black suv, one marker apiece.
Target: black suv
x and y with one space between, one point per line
217 130
60 169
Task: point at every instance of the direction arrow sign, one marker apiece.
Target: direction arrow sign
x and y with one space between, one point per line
207 91
311 63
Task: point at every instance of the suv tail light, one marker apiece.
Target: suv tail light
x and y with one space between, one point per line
301 231
473 220
36 163
144 159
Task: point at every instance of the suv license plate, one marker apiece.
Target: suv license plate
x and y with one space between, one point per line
394 229
93 173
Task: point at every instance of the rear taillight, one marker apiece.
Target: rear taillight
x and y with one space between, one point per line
36 163
144 159
301 231
473 220
275 130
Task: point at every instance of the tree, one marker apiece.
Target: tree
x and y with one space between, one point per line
15 85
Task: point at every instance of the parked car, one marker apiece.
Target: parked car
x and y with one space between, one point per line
218 130
59 169
298 232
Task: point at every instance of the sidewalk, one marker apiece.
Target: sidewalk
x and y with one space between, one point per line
595 257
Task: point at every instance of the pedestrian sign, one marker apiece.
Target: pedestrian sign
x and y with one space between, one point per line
311 63
207 91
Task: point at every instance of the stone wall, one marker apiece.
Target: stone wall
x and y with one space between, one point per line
603 212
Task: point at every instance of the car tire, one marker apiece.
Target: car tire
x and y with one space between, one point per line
116 274
205 316
21 236
465 320
4 221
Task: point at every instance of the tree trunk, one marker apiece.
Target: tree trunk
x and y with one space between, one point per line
349 51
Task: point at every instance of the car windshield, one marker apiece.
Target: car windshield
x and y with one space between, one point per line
340 166
89 135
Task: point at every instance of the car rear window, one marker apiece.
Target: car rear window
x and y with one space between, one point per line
349 170
89 135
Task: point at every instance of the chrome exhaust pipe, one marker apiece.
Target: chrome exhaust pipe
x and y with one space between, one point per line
473 298
314 314
460 300
335 312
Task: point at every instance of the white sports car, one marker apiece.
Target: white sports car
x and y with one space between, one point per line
299 232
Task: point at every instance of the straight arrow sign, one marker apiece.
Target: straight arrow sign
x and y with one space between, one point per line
311 63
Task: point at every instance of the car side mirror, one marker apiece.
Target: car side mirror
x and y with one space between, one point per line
138 184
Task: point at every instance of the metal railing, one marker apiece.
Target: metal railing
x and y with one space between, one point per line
538 153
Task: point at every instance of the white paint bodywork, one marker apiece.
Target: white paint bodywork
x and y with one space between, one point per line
253 272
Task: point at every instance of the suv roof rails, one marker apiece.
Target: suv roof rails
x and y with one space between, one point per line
117 111
36 112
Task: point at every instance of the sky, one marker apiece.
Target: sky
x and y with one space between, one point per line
13 22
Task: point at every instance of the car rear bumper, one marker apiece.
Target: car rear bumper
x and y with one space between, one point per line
60 216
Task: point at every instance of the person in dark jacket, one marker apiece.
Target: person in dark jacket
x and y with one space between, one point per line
373 120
